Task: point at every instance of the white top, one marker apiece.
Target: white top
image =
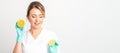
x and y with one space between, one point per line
39 45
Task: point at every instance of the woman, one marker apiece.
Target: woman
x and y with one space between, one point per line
37 39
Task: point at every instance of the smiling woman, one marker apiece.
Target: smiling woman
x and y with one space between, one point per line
36 39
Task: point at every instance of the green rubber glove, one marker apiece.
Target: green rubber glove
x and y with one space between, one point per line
19 32
53 48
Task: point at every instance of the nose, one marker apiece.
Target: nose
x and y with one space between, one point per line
37 19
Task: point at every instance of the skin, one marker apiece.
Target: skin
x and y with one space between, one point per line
36 19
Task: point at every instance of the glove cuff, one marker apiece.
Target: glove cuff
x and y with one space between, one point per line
19 38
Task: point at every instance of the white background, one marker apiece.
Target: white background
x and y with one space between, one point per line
83 26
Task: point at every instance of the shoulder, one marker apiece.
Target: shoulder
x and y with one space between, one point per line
26 32
49 32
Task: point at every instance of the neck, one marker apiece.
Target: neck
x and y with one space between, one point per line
35 31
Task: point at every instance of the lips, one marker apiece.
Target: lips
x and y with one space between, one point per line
36 23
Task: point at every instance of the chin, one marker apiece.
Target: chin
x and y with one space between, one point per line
37 27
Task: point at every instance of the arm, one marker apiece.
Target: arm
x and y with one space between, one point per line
17 48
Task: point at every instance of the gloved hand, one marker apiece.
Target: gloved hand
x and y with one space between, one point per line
53 46
20 31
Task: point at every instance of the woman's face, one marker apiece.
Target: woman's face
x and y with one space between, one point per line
35 18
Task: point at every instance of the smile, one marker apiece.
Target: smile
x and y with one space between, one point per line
36 23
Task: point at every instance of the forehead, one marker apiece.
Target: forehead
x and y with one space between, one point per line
35 11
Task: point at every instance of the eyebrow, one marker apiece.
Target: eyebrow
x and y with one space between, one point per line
39 14
33 14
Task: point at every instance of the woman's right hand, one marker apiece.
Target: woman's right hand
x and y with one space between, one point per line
19 31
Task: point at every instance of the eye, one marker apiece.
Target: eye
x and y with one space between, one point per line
41 17
33 16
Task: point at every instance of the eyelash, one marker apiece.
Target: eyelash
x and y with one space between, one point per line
40 17
35 17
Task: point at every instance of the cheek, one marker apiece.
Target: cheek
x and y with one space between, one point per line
42 20
31 20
